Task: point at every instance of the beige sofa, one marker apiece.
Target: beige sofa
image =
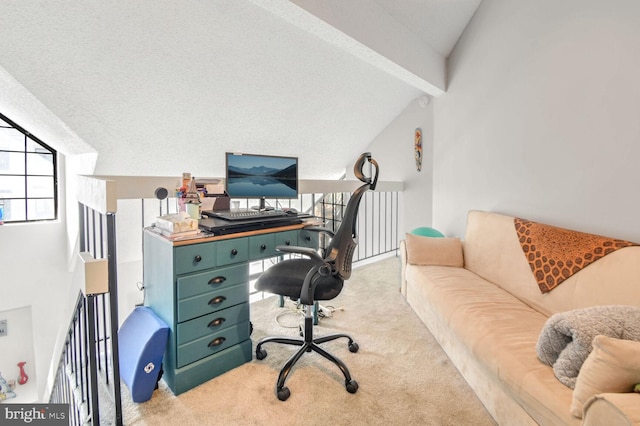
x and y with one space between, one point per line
487 311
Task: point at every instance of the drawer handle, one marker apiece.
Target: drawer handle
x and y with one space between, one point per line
216 322
263 247
307 238
198 258
234 252
216 342
217 280
217 300
287 243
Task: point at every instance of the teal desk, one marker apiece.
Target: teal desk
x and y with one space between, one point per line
200 288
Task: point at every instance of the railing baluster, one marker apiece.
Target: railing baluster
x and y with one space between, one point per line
93 370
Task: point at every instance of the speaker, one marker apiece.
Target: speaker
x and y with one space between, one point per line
161 193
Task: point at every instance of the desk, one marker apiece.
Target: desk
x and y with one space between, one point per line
200 288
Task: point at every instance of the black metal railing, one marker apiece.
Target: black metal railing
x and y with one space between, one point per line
88 374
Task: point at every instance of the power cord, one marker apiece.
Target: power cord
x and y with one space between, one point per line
297 308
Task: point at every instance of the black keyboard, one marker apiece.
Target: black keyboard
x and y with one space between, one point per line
246 214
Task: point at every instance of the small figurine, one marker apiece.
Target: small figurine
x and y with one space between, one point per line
5 390
23 376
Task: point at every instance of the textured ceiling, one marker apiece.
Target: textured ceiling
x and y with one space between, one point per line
162 87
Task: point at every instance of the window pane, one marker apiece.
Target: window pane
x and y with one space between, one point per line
41 209
33 146
4 161
14 210
27 175
40 164
39 186
12 187
11 139
12 163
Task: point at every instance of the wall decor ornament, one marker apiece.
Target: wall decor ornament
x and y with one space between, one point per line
418 148
23 379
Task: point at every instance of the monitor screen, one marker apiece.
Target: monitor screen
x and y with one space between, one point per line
261 176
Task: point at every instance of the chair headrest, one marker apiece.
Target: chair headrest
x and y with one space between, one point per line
359 172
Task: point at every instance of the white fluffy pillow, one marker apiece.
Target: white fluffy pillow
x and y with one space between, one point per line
612 366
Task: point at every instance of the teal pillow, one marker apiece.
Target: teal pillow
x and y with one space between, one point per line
424 231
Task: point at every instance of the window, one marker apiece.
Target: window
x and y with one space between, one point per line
28 175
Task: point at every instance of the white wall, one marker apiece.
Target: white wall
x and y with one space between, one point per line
33 265
393 149
17 346
541 117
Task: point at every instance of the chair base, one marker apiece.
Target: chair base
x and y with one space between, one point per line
307 344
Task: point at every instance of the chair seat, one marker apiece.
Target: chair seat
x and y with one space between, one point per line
285 278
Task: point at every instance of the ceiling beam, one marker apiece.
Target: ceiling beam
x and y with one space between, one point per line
366 31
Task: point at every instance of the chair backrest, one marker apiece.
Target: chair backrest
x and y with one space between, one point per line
339 252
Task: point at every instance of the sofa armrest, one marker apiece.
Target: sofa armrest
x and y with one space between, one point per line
403 258
612 409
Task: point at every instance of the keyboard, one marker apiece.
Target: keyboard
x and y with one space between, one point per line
246 214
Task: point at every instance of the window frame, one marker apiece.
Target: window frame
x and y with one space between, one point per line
28 137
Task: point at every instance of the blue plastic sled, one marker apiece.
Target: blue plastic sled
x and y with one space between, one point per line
142 340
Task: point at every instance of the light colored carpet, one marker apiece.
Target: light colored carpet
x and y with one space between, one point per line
404 376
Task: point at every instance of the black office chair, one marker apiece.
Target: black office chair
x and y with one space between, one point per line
318 277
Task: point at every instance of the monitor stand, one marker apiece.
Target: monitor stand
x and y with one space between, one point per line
262 207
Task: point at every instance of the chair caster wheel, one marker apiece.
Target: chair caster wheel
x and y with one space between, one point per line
353 347
260 354
284 393
352 386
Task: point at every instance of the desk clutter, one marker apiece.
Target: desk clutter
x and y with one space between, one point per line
176 226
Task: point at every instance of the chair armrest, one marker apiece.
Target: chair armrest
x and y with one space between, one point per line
321 267
320 229
305 251
613 409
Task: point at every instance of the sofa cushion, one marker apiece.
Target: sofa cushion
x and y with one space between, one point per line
498 330
434 251
612 366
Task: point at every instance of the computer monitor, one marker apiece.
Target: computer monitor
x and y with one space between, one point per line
261 176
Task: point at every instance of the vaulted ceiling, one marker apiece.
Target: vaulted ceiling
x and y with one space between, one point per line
158 87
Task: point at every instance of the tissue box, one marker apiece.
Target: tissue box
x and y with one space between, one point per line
179 222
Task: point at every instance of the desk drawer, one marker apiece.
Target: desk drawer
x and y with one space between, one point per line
232 251
212 301
212 343
262 246
213 322
196 373
215 279
195 257
308 239
287 238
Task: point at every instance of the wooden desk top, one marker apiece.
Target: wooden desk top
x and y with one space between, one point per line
206 237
